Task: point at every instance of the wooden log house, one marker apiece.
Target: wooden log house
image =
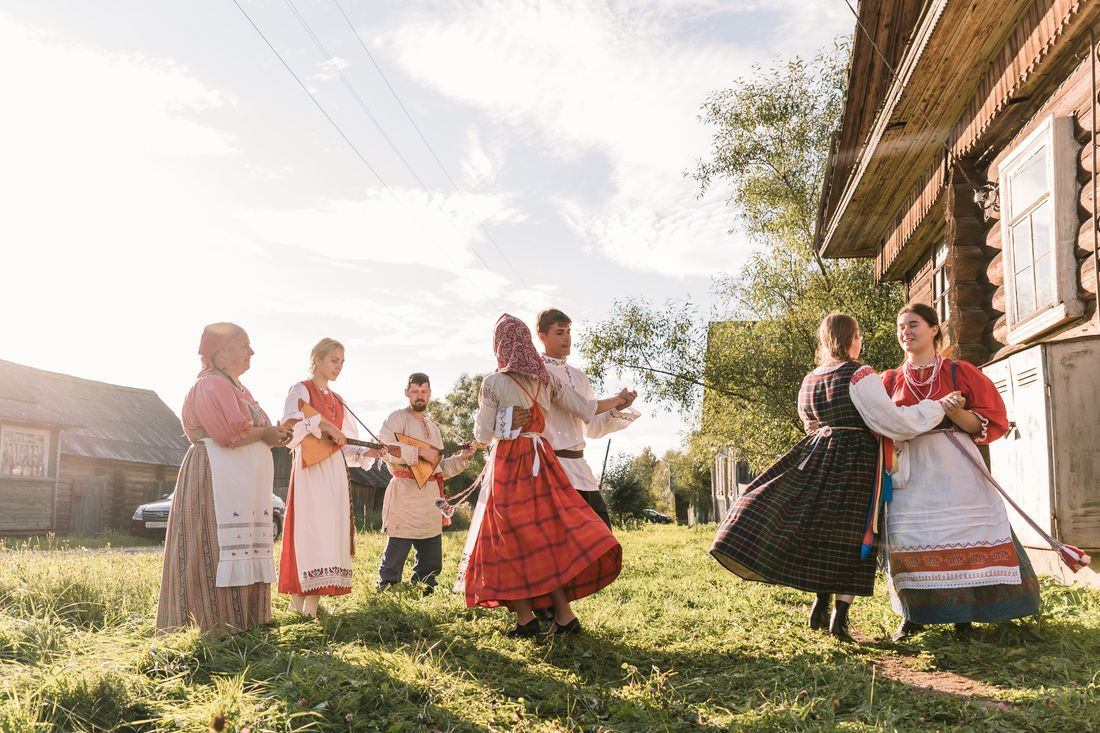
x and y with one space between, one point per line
77 456
966 166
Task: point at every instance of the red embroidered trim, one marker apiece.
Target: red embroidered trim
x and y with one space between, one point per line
863 371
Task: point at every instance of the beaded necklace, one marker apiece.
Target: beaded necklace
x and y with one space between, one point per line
328 397
916 383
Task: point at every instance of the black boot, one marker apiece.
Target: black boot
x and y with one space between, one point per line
819 612
907 629
838 626
964 630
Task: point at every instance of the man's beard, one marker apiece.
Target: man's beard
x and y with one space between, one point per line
418 406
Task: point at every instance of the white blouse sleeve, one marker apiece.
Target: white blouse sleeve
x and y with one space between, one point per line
569 400
292 411
486 418
608 422
883 416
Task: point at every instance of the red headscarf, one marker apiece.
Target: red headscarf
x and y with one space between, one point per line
216 337
515 351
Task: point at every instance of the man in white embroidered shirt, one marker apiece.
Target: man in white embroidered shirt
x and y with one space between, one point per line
565 432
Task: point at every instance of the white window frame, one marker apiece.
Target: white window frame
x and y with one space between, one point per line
1055 138
941 287
45 434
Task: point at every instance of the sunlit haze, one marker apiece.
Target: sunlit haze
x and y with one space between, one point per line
160 169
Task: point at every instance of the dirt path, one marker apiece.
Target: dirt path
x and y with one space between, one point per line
901 669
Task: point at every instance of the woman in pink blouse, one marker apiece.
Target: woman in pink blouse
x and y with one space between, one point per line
218 563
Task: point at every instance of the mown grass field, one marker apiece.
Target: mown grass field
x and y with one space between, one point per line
676 643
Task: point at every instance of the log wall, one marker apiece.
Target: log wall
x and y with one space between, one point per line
977 328
1072 98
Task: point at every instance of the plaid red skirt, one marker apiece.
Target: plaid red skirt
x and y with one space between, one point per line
537 534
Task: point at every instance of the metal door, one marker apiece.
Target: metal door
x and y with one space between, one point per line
1021 461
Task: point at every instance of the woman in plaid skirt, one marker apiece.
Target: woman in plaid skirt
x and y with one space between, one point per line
808 522
533 541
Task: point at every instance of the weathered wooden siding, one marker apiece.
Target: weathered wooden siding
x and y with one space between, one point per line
1018 79
978 327
126 485
1073 98
25 505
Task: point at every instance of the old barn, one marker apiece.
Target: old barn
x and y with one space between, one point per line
966 166
76 456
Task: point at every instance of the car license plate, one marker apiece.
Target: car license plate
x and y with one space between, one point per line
156 525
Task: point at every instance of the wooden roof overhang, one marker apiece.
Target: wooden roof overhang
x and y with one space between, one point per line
965 62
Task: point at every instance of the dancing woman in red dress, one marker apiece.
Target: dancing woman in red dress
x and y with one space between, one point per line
533 542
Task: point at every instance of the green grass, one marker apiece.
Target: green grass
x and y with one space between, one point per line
103 540
676 643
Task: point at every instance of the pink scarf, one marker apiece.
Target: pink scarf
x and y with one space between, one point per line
515 351
216 337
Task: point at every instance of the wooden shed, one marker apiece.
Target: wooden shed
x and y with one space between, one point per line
76 456
368 489
966 165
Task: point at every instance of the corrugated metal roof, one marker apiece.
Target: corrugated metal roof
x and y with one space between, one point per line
377 476
101 420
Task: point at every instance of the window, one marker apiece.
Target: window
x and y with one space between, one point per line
24 452
939 282
1039 192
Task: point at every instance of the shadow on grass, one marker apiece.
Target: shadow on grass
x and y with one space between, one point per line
590 681
295 664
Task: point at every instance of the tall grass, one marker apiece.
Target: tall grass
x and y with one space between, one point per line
675 644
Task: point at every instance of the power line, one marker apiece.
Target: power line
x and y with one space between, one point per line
352 145
423 139
366 110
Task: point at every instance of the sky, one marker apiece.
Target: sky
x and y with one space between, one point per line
161 169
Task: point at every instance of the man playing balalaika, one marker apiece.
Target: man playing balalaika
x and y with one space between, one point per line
409 514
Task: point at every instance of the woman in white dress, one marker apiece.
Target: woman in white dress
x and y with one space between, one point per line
319 530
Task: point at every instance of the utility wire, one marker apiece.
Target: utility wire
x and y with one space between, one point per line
895 78
352 145
423 139
378 125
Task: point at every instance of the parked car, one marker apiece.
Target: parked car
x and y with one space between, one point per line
151 519
652 515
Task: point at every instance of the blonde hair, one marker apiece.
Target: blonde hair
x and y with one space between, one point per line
321 350
834 337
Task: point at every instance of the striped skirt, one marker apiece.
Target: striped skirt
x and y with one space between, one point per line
188 593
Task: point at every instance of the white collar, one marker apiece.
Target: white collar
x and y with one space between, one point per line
551 360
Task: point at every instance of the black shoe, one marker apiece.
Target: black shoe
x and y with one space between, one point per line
963 631
556 629
838 625
907 629
819 612
525 631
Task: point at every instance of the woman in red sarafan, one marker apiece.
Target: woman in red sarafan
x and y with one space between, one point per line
952 554
533 541
319 532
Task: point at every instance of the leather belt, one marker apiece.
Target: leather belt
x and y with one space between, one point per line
567 453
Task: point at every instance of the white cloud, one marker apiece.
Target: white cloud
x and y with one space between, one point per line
481 166
330 68
409 227
621 81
